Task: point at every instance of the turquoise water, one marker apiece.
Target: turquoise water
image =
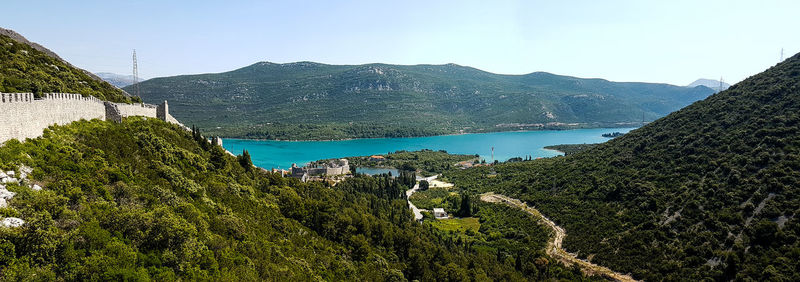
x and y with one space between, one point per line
281 154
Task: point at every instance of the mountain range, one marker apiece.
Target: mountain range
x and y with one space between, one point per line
710 192
307 100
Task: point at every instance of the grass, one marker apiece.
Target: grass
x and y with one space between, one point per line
461 225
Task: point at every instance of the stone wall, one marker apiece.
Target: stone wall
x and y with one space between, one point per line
22 116
146 110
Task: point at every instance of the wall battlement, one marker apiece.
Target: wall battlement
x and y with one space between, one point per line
24 116
16 97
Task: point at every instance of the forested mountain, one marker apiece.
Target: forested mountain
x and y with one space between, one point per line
711 191
307 100
29 67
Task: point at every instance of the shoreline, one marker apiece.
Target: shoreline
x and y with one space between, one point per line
554 150
453 134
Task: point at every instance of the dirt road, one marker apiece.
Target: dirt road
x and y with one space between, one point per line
417 212
554 248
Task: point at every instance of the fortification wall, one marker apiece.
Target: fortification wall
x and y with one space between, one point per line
171 119
22 116
145 110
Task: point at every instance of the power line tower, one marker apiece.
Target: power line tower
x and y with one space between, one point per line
781 56
135 75
720 84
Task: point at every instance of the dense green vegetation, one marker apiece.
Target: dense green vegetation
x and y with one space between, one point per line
424 162
469 225
709 192
144 199
437 198
327 130
512 236
308 100
25 69
569 149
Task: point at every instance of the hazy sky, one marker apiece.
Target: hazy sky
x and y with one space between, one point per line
654 41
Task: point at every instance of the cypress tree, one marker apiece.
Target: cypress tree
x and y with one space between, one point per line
244 160
466 206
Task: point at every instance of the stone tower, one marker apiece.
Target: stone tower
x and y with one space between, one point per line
162 111
112 112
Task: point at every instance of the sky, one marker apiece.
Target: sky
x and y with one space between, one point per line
672 42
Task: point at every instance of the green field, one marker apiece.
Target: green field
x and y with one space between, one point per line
461 225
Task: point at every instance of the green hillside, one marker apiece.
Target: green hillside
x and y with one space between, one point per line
26 69
709 192
308 100
146 200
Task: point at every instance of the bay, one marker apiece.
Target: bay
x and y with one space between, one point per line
282 154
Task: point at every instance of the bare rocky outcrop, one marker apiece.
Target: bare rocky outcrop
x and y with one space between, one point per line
8 178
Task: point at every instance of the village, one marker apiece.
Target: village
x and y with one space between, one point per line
333 171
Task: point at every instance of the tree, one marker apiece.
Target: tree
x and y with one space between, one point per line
244 160
423 185
466 206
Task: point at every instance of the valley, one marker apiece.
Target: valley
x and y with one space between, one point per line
430 145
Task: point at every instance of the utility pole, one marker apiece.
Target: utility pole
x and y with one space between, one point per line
135 75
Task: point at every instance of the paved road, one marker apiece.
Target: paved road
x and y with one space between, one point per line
409 192
554 248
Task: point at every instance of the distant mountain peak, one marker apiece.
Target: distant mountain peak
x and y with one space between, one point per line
710 83
302 64
118 80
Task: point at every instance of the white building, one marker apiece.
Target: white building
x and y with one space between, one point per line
439 213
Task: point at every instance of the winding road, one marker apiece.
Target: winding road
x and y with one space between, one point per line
409 192
554 246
